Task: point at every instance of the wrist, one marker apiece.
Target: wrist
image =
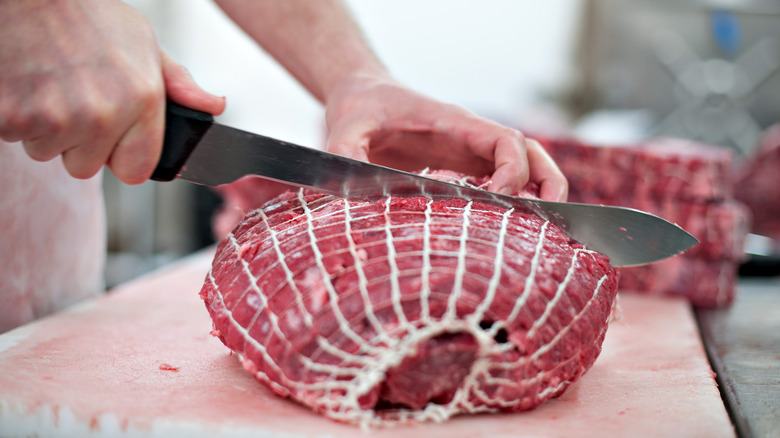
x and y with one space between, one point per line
356 81
364 69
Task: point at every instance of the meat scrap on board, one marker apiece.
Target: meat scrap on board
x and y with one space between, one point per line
408 309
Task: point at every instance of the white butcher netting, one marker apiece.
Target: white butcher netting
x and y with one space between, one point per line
407 308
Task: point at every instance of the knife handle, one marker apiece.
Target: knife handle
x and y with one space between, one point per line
184 127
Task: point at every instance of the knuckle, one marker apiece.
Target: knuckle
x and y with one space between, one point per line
457 109
149 93
517 135
13 122
53 122
102 119
7 132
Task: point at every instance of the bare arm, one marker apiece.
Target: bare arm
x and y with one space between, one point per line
316 41
371 116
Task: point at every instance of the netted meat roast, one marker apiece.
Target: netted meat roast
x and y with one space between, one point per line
408 309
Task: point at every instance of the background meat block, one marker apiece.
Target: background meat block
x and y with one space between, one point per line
408 309
658 168
705 283
758 184
687 183
721 227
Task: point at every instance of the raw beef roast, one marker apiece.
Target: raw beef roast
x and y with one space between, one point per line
408 309
685 182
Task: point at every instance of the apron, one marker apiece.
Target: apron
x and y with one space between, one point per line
52 237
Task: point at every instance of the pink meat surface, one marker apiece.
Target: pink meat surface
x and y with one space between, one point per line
687 183
758 184
408 309
241 197
705 283
657 168
721 227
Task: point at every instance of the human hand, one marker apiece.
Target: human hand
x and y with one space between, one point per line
378 120
85 79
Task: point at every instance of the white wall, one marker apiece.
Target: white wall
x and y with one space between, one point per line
492 56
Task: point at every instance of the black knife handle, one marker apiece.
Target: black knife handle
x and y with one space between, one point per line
184 128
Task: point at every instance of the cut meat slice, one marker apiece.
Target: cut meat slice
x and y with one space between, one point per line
408 309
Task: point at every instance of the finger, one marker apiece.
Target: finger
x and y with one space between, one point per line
45 126
182 89
351 139
48 143
10 137
553 185
136 154
85 160
68 131
9 131
89 129
511 166
42 148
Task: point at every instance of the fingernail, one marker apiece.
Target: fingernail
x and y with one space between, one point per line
504 191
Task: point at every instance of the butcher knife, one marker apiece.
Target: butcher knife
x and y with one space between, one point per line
201 151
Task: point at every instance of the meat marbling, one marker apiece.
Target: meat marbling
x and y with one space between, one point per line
52 237
408 309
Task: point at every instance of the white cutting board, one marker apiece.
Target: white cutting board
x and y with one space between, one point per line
103 369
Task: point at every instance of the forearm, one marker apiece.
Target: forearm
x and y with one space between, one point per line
315 40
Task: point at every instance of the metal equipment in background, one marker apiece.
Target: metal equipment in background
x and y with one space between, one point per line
706 70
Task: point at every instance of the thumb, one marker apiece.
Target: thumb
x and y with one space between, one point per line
351 140
182 89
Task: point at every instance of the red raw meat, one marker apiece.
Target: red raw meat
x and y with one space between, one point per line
408 309
758 184
685 182
721 227
705 283
659 168
240 197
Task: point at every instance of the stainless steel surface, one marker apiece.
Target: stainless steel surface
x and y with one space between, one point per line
706 70
629 237
743 344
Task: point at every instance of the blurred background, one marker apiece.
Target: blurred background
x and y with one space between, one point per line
606 70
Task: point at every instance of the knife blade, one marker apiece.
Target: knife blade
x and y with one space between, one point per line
201 151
